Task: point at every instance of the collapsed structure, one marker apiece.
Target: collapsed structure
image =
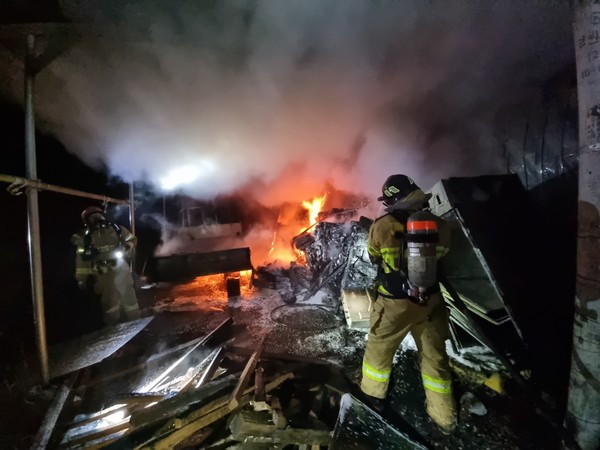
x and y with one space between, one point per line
252 381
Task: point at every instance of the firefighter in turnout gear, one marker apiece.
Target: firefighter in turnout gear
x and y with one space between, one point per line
401 306
101 265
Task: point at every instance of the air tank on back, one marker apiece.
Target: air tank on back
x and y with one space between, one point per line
422 239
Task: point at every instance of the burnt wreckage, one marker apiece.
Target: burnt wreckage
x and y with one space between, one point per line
228 389
499 282
478 278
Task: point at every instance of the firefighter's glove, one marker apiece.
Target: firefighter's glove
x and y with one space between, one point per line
416 294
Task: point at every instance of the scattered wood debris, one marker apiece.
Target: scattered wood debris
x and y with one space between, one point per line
206 392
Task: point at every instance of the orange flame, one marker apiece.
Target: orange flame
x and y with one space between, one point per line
290 224
314 208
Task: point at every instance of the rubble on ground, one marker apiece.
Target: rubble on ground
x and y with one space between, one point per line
277 367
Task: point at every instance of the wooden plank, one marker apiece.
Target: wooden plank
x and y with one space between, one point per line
170 441
259 385
45 432
180 429
246 374
180 403
190 417
249 426
260 398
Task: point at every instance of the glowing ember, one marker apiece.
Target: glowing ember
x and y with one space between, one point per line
213 287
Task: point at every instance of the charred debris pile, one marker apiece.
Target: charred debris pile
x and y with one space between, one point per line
218 392
205 393
335 255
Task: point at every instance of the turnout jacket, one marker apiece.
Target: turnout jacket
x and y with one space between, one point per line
387 249
96 246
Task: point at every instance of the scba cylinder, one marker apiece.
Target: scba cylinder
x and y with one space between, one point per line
422 239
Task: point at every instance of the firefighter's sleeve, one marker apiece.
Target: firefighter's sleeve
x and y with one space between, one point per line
385 247
373 248
391 247
77 240
128 239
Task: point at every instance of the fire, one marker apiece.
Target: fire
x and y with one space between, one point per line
314 207
291 222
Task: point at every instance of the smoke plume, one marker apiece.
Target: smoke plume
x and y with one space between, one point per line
274 99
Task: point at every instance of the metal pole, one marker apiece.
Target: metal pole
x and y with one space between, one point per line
583 405
132 222
18 183
33 217
131 208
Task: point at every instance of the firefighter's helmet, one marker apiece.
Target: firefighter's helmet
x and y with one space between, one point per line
89 211
395 188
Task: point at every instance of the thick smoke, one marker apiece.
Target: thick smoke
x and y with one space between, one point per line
275 99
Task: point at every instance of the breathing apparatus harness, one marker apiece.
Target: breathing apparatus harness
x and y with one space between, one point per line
91 252
419 243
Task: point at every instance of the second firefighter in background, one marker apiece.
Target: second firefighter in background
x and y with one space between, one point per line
401 308
101 266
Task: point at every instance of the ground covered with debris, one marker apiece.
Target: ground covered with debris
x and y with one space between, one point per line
279 376
264 359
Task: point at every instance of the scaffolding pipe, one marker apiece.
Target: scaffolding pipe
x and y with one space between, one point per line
132 223
583 405
131 209
33 216
18 183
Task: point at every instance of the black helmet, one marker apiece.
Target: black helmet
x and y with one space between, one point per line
90 211
395 188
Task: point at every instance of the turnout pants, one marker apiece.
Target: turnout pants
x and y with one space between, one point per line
117 296
390 322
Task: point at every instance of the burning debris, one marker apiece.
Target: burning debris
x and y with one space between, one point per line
332 249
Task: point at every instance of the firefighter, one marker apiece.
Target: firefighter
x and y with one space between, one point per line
399 307
102 267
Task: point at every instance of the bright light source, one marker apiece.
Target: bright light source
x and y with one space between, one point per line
180 176
118 254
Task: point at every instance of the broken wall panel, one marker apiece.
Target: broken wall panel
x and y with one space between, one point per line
500 262
486 215
191 265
